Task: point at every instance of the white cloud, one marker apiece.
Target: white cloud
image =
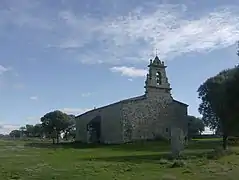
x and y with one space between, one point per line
129 71
128 38
168 30
133 38
80 30
34 98
75 111
3 69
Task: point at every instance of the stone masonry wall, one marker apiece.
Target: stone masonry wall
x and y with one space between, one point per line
181 113
147 118
135 119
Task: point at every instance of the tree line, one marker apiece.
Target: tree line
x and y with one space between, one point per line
53 125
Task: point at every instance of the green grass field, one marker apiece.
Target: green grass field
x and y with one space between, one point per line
25 160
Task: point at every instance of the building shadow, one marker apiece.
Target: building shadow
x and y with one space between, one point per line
94 129
65 145
150 158
135 159
153 146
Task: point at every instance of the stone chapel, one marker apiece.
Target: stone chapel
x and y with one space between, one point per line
145 117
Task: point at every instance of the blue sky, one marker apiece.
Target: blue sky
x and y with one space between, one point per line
75 55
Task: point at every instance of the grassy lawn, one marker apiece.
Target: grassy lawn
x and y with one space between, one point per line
25 160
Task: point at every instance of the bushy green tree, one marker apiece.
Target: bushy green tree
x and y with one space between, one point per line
220 101
29 130
54 123
15 134
38 130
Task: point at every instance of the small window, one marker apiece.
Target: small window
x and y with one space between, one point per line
166 129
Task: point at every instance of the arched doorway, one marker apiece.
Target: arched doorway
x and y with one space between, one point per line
94 130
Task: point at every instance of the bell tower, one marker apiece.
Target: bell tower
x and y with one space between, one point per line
156 83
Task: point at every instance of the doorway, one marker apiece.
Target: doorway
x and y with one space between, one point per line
94 130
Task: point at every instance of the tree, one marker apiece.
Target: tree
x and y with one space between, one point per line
232 101
195 126
23 131
38 130
54 123
29 130
219 96
15 134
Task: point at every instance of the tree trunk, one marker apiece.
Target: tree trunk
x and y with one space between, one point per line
224 141
57 137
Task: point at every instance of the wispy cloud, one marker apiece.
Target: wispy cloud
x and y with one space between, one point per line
34 98
129 71
130 38
134 37
169 30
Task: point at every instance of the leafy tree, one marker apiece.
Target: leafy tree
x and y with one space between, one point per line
232 101
219 106
29 130
23 131
54 123
195 126
15 133
38 130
